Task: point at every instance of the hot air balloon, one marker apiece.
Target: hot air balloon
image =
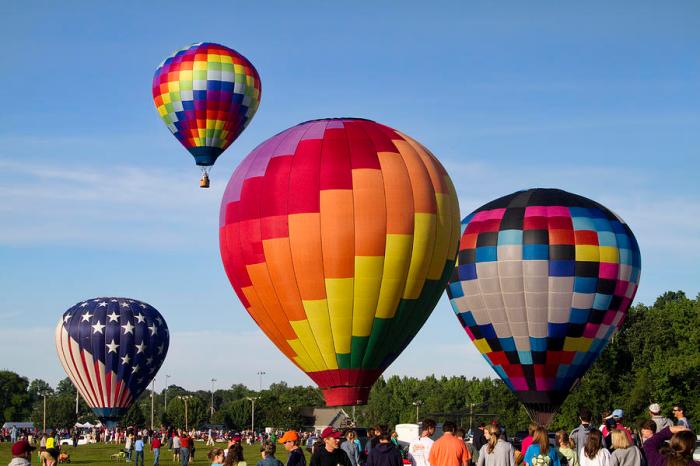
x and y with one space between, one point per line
111 348
338 236
543 280
206 94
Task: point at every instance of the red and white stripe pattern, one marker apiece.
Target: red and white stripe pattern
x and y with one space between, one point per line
99 388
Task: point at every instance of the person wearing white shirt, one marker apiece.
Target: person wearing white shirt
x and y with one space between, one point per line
419 449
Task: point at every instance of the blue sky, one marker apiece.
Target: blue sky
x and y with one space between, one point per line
98 199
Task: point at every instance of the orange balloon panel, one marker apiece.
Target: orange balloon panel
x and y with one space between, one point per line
338 236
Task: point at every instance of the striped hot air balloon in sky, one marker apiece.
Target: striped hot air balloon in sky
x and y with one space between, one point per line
544 279
338 235
111 349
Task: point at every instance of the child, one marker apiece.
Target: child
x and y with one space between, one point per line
566 449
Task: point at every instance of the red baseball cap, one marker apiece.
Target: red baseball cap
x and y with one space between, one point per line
330 432
21 447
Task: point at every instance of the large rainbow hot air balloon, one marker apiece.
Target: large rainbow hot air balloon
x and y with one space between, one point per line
111 348
543 280
206 94
338 235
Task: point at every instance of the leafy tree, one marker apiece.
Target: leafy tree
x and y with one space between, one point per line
60 412
134 417
15 403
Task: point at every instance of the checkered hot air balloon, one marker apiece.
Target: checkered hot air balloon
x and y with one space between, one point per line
544 279
111 348
338 236
206 94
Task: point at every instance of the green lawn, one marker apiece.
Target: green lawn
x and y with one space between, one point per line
99 454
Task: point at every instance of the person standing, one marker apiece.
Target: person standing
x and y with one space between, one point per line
448 450
329 454
216 456
624 453
185 444
527 441
661 421
480 437
290 440
496 451
540 453
579 435
593 453
210 439
128 446
155 448
138 450
681 420
21 454
176 446
384 453
678 452
267 452
565 450
419 449
350 447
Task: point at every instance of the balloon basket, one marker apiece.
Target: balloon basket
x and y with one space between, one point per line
204 182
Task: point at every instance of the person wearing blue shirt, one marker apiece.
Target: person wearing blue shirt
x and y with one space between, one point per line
138 449
540 452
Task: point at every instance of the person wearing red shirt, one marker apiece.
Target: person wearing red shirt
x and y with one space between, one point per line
155 448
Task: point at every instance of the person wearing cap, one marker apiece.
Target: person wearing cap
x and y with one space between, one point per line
21 454
330 454
661 421
614 421
290 440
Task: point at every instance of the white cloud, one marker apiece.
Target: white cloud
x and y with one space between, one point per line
118 206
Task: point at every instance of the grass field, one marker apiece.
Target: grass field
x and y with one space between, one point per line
99 455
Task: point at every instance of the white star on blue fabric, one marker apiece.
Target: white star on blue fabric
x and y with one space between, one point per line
128 328
87 316
97 328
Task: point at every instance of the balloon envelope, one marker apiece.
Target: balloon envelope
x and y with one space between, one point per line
111 348
206 95
544 279
338 236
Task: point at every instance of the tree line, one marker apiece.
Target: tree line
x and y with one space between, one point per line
655 358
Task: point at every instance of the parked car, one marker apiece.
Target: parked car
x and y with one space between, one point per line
696 453
82 440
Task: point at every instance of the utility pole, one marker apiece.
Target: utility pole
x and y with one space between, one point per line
166 391
212 400
153 394
76 401
260 374
44 425
252 412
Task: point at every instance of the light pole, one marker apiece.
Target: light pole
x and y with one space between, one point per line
212 399
166 391
252 412
185 398
153 393
260 374
44 423
417 404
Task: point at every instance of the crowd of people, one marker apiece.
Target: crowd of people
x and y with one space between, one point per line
658 441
